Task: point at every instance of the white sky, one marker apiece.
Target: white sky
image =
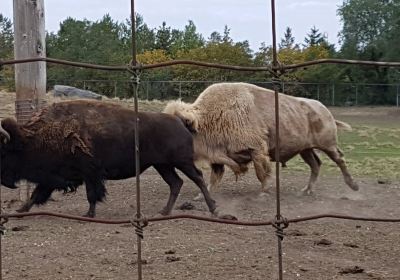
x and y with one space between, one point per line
248 19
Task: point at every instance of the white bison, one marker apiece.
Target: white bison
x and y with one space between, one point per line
234 124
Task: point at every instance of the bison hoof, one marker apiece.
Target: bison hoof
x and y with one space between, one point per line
354 186
89 215
165 212
264 194
198 197
23 209
307 191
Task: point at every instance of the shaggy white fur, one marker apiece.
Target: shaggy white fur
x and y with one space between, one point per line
234 124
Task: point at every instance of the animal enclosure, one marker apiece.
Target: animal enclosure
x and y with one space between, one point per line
245 253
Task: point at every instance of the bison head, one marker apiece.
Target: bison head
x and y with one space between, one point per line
186 112
10 152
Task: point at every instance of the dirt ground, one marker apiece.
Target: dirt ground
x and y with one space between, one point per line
51 248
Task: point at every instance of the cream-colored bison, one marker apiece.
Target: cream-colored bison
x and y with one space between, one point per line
234 124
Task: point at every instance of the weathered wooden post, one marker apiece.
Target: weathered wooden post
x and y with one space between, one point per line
29 42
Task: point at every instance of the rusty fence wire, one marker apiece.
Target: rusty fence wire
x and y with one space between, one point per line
139 221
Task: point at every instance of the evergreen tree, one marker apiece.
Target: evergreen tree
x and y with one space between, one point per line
215 37
6 38
287 42
163 38
314 38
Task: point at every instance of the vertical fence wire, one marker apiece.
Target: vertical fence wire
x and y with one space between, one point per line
137 159
1 225
277 140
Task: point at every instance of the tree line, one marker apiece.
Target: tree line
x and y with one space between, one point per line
370 31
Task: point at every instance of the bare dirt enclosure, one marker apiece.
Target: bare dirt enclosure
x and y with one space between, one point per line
50 248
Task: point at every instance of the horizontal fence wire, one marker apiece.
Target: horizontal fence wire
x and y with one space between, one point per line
199 218
271 69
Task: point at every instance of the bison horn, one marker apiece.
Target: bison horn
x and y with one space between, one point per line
5 134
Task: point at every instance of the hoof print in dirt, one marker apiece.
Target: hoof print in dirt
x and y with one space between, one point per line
303 269
351 270
172 259
228 217
170 252
10 203
135 262
384 181
351 245
295 232
19 228
323 242
186 206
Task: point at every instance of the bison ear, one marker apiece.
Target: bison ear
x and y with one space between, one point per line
191 124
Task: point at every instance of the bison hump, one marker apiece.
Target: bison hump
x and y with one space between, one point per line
65 136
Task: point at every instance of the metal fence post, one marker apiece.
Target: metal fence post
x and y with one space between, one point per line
147 90
356 94
115 89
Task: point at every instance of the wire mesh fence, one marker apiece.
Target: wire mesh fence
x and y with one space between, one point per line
330 94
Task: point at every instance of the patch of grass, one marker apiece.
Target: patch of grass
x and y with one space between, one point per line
369 151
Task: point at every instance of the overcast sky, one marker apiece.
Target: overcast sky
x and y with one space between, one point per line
248 19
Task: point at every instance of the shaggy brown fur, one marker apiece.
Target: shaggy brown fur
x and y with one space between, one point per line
81 141
57 136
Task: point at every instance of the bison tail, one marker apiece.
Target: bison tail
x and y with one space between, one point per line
343 125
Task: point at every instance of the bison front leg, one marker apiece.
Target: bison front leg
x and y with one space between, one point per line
217 172
196 176
40 195
262 166
311 158
175 183
95 191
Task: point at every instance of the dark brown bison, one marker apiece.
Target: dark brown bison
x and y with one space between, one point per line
75 142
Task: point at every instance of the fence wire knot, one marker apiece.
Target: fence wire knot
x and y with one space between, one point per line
280 223
278 70
276 83
135 78
140 223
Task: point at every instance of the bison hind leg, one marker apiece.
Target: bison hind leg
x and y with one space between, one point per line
337 156
40 196
175 183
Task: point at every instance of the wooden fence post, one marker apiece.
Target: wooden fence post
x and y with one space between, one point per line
30 78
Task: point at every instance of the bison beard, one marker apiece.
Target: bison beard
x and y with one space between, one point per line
76 142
